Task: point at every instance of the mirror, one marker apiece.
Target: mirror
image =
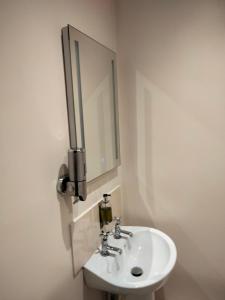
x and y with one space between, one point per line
91 86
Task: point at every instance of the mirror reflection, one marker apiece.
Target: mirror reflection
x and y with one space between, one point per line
95 103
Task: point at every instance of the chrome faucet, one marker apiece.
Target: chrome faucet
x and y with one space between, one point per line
118 230
104 251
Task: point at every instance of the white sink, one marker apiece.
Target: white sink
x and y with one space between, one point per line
149 249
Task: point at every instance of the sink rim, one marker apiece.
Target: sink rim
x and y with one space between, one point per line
147 282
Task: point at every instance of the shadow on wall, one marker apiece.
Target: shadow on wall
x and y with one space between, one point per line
148 101
160 294
74 283
75 289
92 294
142 208
66 216
183 283
144 150
68 211
195 277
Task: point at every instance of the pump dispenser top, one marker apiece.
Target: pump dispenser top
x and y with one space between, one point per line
105 210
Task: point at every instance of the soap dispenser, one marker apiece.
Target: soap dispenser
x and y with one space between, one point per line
105 210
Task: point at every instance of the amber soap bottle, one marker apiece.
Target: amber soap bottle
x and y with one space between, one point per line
105 210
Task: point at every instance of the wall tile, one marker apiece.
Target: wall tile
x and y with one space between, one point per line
85 231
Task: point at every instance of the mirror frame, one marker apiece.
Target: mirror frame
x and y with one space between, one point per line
75 114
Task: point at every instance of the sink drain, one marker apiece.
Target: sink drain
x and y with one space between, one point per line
136 271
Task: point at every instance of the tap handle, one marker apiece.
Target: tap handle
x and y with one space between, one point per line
106 195
117 219
104 235
105 198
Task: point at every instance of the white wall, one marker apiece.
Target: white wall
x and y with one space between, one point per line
35 254
172 91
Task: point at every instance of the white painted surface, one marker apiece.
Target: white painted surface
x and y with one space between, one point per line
35 255
172 74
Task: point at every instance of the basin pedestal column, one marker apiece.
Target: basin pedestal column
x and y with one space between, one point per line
139 297
109 296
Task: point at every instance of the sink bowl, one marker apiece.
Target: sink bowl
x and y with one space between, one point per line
150 255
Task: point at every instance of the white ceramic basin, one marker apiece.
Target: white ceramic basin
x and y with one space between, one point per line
149 249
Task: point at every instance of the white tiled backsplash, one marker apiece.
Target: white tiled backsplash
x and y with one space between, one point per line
85 230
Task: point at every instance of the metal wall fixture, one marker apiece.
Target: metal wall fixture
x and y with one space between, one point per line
72 180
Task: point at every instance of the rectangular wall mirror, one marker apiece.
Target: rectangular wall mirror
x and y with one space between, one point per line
91 86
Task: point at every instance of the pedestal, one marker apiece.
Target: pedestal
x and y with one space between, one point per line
109 296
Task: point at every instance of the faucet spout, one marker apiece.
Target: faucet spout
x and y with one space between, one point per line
104 251
118 230
126 232
115 249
